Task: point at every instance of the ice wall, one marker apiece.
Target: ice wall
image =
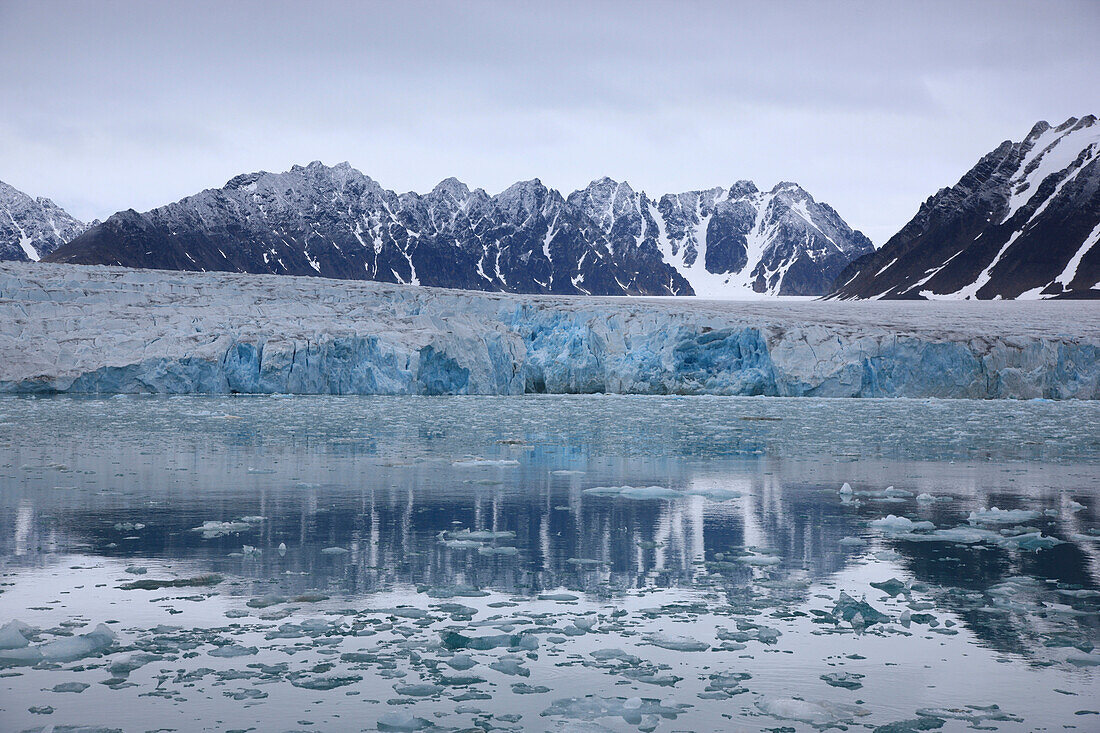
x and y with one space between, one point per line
111 330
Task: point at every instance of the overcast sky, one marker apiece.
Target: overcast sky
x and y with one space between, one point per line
872 106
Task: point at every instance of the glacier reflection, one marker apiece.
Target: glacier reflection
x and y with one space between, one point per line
314 508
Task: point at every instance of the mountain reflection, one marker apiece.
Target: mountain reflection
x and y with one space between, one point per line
365 504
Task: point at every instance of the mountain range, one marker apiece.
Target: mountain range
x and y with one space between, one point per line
606 239
1022 223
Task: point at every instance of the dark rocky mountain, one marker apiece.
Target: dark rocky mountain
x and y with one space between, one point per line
1023 223
605 239
32 228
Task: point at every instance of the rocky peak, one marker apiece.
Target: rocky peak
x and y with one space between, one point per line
743 189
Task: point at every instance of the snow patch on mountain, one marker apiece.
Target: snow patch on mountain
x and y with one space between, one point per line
32 228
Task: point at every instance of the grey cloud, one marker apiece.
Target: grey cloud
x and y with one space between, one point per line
872 106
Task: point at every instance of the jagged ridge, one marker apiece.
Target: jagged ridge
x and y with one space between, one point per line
605 239
1023 223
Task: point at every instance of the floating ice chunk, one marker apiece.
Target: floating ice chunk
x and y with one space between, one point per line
402 722
1002 516
511 667
497 551
485 462
974 714
848 608
617 656
760 560
846 489
925 498
1090 660
676 643
851 542
591 708
747 631
72 648
636 492
282 549
462 544
567 472
817 714
560 597
124 665
461 662
847 680
323 682
892 493
455 640
199 581
1074 506
334 551
265 601
211 529
421 689
250 693
11 635
728 682
522 688
481 535
892 524
233 650
1032 541
77 687
891 587
25 656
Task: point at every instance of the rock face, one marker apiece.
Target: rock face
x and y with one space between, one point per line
113 330
1023 223
31 228
605 240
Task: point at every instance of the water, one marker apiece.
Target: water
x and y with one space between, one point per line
442 563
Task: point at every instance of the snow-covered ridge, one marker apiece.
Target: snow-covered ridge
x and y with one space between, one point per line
1023 223
32 228
605 239
113 330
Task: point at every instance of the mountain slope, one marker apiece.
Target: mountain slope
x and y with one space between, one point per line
1024 222
32 228
606 239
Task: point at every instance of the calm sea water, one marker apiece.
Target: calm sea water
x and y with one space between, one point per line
548 563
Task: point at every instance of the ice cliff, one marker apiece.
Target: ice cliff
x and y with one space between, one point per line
103 330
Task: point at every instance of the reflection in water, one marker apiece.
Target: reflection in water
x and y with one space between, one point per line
514 512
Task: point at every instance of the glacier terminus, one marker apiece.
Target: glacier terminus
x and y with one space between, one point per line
103 330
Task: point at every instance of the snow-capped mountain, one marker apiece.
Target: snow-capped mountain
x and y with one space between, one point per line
1023 223
605 239
31 228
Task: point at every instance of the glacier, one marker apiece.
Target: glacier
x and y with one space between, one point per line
107 330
